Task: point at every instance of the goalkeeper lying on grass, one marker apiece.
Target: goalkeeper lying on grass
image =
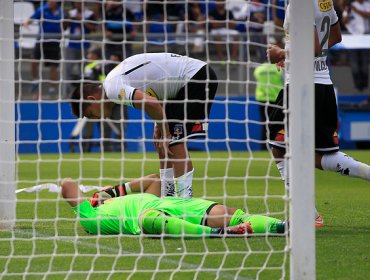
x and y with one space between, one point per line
115 210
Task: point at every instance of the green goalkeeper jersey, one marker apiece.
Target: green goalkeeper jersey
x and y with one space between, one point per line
121 214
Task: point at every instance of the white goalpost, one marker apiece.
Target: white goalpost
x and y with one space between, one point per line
41 142
7 118
301 144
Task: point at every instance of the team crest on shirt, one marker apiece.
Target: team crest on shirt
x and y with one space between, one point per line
178 131
122 94
325 5
151 93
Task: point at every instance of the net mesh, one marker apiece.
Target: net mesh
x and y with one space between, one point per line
232 165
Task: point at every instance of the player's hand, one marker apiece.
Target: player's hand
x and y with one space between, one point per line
275 54
161 143
105 193
163 147
280 65
157 135
26 24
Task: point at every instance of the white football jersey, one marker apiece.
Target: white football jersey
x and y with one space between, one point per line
325 17
160 75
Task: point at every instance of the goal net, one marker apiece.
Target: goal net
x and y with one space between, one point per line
59 45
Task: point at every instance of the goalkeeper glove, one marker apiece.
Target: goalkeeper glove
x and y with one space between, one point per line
109 192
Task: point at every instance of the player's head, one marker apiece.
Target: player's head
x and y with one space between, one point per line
88 101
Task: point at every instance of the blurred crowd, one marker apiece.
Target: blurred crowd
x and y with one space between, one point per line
91 37
68 30
227 30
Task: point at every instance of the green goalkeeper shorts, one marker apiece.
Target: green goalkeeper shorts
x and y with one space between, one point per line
120 215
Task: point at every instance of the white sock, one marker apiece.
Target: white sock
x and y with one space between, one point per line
183 185
345 165
167 182
283 173
127 188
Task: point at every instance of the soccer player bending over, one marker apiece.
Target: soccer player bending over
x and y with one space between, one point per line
112 211
175 91
327 156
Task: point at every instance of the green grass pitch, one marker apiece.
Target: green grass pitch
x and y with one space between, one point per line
44 247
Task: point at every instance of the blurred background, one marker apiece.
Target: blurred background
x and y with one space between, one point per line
59 44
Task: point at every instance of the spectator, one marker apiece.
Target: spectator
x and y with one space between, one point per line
136 7
256 16
269 83
157 23
81 21
175 10
278 15
35 3
356 19
223 26
120 29
196 25
119 115
48 46
340 6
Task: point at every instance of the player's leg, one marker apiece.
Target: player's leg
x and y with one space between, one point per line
343 164
222 216
71 192
276 132
35 70
176 171
277 138
183 170
156 222
328 156
192 117
166 173
148 184
52 52
153 221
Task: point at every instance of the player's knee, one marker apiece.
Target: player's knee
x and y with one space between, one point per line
149 221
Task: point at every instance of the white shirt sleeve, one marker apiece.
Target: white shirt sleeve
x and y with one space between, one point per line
118 92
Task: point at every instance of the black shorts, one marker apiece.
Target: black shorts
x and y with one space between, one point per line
326 120
48 51
188 113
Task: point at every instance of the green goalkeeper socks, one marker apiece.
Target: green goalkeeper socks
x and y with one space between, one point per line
259 224
156 222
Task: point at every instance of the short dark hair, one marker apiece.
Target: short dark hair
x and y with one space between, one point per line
79 101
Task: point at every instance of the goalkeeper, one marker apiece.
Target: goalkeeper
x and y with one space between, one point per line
112 211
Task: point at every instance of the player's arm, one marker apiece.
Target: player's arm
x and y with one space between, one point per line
71 192
147 184
335 35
